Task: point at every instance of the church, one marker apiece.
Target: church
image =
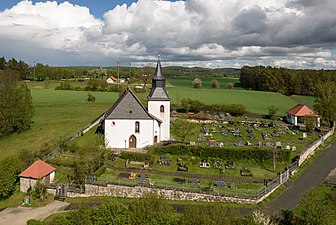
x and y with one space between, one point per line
129 124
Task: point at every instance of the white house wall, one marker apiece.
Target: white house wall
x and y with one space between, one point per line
291 119
117 135
154 109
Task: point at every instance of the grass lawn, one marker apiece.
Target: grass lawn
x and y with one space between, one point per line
206 82
310 100
58 114
242 189
254 101
17 199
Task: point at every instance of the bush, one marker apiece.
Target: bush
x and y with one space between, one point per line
135 156
230 86
91 98
64 85
34 222
214 84
197 83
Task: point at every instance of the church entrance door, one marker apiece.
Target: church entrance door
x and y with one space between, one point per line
155 139
132 142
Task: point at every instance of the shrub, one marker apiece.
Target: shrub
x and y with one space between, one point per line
34 222
135 156
64 85
214 84
230 86
197 83
91 98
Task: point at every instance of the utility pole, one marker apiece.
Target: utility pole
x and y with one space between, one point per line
118 75
34 70
130 74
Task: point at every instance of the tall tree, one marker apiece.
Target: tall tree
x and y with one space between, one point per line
325 103
10 168
16 109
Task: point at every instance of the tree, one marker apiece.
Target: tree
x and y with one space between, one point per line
182 128
272 110
91 98
40 190
16 109
310 123
230 86
325 103
192 105
10 168
214 84
144 74
210 214
197 83
2 63
150 209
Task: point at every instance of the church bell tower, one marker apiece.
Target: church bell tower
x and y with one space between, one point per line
159 102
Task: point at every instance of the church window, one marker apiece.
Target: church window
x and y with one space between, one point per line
113 123
161 108
137 127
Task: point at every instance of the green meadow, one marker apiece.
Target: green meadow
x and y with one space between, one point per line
59 113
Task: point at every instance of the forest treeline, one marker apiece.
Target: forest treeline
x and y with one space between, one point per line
285 81
41 71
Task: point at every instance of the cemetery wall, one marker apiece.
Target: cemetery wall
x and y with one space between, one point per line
137 192
311 149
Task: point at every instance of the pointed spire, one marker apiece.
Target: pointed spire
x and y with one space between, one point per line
158 90
158 75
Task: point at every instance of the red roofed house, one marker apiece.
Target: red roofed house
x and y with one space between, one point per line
111 80
39 170
295 114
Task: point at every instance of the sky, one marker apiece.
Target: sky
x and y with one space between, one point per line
207 33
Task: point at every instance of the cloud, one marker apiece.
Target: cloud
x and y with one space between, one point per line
215 33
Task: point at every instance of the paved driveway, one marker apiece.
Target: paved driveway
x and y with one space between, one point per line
314 175
20 215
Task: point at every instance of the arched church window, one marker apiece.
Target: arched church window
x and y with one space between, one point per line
161 108
137 127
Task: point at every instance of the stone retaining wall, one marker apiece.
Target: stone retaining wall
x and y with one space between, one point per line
137 192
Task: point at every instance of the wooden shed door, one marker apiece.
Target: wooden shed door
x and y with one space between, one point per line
132 142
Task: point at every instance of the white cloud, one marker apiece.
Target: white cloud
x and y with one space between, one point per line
215 33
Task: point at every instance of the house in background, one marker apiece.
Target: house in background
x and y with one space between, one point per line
111 80
39 170
128 124
296 115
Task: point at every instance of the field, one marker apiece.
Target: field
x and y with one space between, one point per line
58 113
254 101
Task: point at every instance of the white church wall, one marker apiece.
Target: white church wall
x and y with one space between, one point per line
118 132
154 109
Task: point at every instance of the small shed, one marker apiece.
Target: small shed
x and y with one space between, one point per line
295 114
39 170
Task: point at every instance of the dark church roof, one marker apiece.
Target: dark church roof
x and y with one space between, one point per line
158 91
128 106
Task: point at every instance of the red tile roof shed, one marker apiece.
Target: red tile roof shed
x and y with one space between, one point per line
37 170
301 110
